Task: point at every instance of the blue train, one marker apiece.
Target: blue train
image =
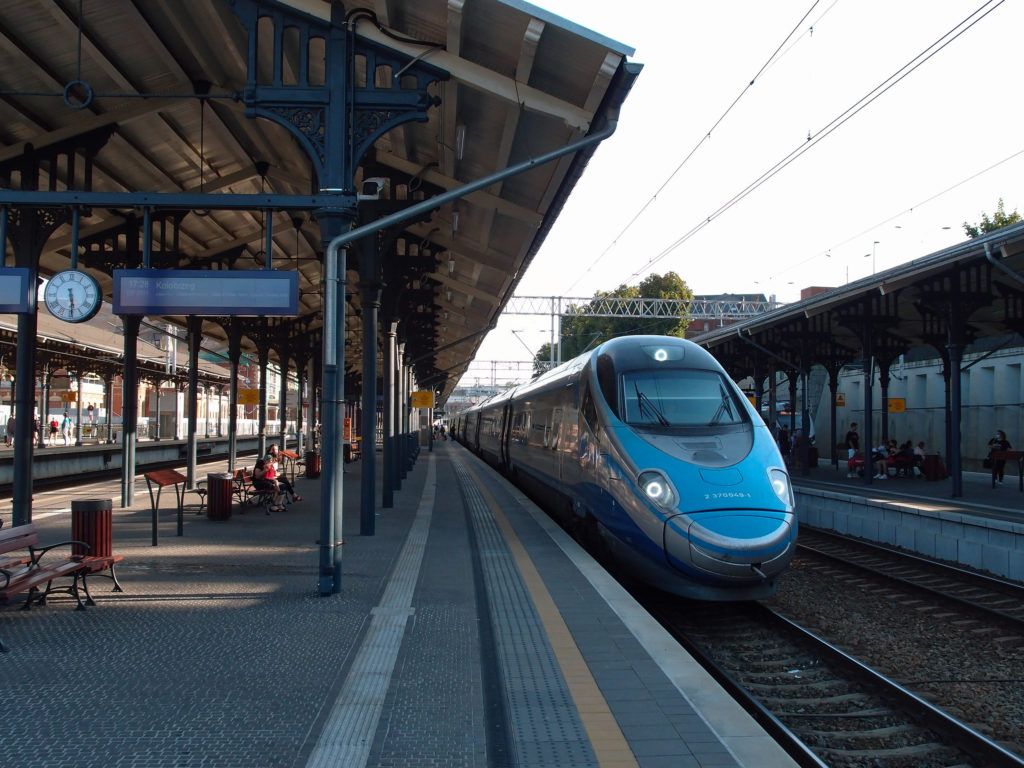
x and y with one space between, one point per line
645 447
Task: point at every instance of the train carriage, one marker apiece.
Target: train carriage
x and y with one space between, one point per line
646 445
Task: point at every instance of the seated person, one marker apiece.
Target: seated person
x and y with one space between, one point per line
264 478
272 457
880 462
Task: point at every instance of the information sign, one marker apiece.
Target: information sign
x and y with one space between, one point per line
423 399
840 399
248 397
236 293
897 404
14 293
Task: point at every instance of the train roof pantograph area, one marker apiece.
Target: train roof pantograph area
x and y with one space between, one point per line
245 134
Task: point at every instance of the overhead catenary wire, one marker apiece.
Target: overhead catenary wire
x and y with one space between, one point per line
704 138
960 28
896 216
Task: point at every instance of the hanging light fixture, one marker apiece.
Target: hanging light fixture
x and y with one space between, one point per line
460 141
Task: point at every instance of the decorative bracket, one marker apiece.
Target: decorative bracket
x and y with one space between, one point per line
368 90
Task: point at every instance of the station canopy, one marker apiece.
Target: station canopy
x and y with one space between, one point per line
153 94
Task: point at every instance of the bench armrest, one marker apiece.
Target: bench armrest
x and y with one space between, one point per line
38 552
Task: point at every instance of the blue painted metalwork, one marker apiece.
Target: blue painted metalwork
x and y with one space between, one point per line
318 115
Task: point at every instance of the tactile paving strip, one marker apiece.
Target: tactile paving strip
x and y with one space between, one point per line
544 723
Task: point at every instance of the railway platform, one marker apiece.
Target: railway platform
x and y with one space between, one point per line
469 631
982 529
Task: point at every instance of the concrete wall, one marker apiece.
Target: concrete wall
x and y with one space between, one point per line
993 546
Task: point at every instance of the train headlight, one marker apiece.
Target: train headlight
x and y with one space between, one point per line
656 488
780 484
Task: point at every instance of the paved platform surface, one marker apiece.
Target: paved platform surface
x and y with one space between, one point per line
978 494
469 631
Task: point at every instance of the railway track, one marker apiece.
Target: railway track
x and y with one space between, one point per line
970 590
825 706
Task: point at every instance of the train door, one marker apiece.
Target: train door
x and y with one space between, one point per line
476 432
506 431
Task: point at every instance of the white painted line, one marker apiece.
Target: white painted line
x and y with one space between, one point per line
352 723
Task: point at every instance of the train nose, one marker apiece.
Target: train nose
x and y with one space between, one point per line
731 545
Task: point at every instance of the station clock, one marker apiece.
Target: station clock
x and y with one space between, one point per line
73 296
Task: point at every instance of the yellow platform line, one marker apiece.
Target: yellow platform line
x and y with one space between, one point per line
610 746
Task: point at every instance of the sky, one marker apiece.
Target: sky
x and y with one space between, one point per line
893 181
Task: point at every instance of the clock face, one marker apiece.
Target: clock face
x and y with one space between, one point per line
72 296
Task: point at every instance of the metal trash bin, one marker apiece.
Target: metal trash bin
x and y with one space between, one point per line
219 487
92 523
312 465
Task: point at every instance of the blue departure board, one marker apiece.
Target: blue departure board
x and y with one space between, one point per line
253 292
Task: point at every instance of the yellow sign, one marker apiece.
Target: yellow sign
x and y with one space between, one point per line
840 398
69 397
248 397
897 404
424 399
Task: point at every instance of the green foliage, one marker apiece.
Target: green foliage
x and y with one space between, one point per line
580 333
999 220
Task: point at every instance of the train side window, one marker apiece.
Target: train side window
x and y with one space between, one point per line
606 380
589 411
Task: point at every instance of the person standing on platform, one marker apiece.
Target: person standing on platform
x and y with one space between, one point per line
66 426
997 444
9 437
54 428
852 443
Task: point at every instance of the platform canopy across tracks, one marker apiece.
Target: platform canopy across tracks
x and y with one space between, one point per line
236 135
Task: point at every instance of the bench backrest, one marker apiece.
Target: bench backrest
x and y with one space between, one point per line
18 537
1008 455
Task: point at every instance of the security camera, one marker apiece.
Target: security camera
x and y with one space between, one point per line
372 188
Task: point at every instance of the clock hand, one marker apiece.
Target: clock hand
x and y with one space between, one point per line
71 298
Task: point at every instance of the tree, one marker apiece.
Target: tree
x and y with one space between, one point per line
580 333
999 220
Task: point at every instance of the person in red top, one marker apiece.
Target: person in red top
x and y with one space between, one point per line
264 478
272 458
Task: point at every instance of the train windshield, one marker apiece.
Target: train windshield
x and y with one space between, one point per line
680 398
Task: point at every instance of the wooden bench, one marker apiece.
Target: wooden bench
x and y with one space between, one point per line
247 494
903 464
1017 456
22 569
